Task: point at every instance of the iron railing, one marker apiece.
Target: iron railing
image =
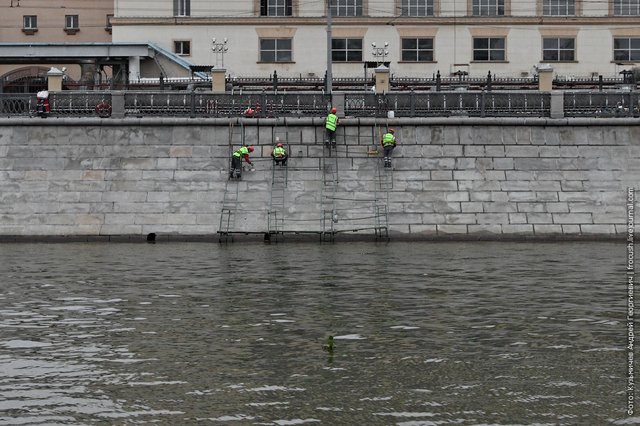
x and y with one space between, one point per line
196 104
601 104
438 104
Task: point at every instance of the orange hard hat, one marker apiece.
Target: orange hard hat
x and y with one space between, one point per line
251 148
280 145
334 110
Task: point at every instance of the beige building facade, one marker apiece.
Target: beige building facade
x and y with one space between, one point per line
417 37
51 21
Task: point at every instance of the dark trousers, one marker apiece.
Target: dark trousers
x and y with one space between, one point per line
388 149
236 166
281 160
331 136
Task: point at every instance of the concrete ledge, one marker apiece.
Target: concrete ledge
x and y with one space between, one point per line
319 121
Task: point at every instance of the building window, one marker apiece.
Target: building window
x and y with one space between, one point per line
346 49
558 49
626 7
488 7
181 7
29 24
417 8
488 49
275 8
71 22
559 7
417 49
182 47
275 50
346 7
626 49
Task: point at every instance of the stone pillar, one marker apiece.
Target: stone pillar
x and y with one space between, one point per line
117 104
382 79
337 100
557 104
54 80
134 68
218 76
545 77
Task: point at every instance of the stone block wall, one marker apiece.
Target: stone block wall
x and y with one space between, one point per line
452 177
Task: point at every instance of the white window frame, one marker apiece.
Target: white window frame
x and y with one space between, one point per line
30 22
629 51
559 49
626 7
71 22
183 7
181 44
347 50
417 8
276 7
489 49
347 7
282 50
488 8
417 50
559 7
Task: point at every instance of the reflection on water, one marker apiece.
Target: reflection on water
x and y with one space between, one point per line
425 334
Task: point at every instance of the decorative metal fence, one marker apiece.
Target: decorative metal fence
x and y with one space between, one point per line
196 104
202 104
601 104
439 104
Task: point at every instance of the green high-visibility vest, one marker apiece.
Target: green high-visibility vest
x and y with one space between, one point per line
332 122
241 152
279 152
388 139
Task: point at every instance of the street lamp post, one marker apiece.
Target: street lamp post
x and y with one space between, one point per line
219 48
329 74
380 52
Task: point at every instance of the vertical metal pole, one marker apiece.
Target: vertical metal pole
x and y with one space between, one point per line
329 53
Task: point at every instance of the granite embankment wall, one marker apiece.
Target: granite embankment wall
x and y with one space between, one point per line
452 177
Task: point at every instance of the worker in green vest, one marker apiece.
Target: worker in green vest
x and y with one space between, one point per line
279 154
331 124
388 142
236 161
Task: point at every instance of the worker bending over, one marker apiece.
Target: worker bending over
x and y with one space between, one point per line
236 161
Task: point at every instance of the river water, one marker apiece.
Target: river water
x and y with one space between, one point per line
425 334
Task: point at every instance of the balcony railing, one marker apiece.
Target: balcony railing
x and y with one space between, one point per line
196 104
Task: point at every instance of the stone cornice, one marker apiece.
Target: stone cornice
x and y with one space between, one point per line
510 21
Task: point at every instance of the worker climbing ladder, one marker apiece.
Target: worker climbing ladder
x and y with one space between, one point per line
279 174
383 182
330 180
229 209
236 140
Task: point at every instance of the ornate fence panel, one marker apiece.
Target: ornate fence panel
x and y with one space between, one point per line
78 104
19 104
514 104
456 103
165 104
601 104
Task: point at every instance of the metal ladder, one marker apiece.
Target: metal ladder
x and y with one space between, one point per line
276 201
328 200
229 211
383 184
